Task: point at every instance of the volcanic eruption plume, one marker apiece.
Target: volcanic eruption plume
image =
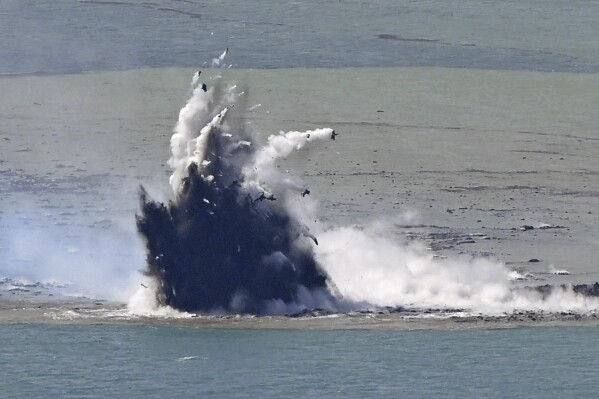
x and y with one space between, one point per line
229 241
234 238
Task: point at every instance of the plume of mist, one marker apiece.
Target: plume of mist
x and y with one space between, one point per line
369 267
70 260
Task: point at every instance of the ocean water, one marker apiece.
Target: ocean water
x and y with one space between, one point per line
139 362
458 121
72 36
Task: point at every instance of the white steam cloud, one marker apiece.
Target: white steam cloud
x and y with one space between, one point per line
70 260
369 267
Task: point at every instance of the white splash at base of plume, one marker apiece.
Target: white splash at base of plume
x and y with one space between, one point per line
368 267
145 303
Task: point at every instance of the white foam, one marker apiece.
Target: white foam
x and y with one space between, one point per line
145 303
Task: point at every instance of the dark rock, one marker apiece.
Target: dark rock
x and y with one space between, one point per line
587 289
590 290
551 226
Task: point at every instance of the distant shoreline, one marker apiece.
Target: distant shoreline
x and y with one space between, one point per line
9 75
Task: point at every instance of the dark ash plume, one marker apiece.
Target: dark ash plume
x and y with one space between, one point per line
227 242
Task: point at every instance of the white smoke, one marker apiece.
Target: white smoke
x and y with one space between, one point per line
369 267
72 261
201 143
262 176
283 144
192 118
202 116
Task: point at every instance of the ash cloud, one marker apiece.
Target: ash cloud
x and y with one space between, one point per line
227 242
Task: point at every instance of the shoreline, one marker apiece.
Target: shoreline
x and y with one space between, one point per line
111 313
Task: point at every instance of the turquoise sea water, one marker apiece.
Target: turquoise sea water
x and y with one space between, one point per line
147 362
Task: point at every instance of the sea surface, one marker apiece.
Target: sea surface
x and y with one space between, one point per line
68 36
462 121
141 362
